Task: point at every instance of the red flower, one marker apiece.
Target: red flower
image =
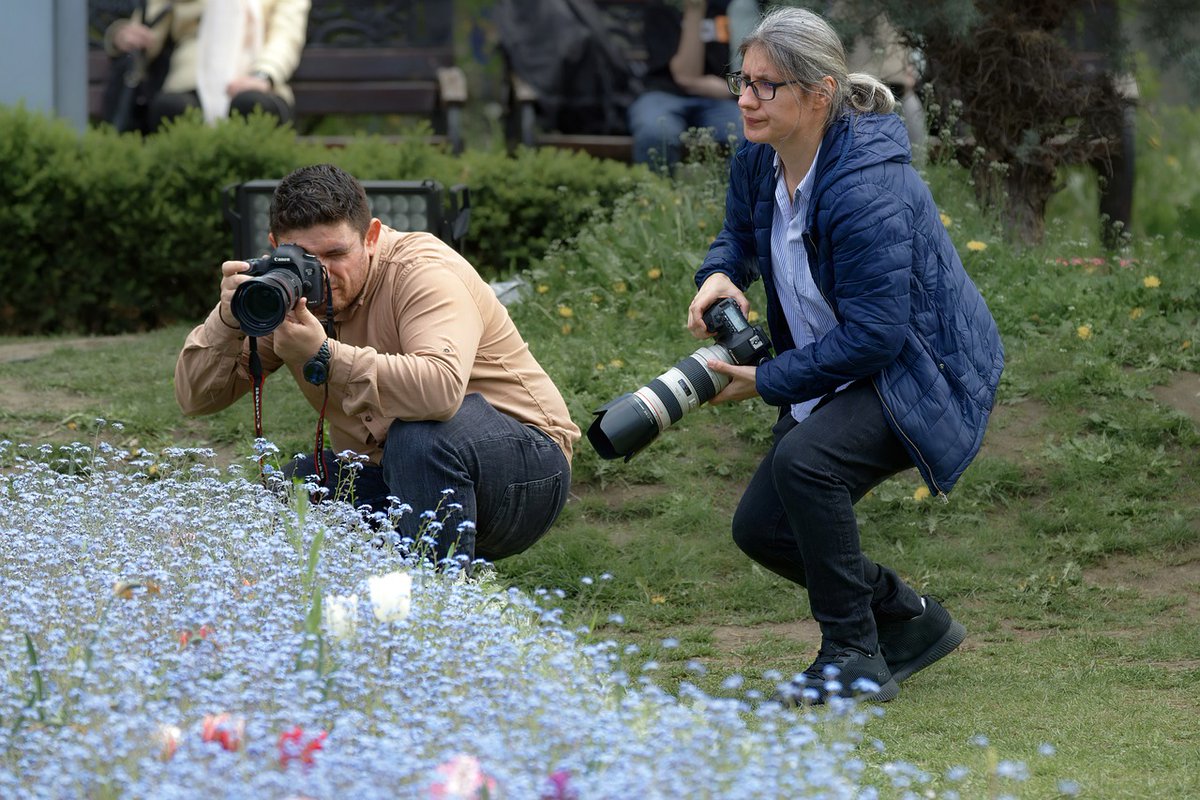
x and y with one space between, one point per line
292 745
224 729
190 636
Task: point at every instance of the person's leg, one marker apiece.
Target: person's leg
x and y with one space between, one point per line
724 119
358 483
493 485
657 120
244 103
168 105
821 468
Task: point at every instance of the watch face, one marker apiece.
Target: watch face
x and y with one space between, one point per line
315 372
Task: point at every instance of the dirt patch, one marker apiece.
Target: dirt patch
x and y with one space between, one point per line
1172 577
1182 393
804 632
1015 430
28 351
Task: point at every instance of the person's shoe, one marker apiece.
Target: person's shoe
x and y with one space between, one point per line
913 644
841 672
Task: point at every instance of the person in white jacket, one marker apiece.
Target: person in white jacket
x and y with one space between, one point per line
224 55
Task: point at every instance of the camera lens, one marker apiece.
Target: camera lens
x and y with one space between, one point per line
632 421
260 304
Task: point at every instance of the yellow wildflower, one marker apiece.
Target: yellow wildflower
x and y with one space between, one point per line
701 224
946 219
565 312
1136 313
620 288
752 317
658 599
922 493
596 298
566 329
1185 344
654 273
976 246
1151 282
1172 162
1084 331
542 288
616 363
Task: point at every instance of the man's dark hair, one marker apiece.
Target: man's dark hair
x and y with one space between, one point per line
320 194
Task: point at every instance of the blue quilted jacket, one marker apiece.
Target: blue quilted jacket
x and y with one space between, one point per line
909 317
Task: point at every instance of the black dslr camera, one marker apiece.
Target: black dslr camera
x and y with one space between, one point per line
277 281
626 425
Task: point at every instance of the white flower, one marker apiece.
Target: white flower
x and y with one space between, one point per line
340 614
391 595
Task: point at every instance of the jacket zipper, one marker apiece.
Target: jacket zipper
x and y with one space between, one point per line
812 248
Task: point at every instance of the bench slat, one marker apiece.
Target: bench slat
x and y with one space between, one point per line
340 64
331 97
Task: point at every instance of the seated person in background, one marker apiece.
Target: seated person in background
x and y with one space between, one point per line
225 55
427 376
688 57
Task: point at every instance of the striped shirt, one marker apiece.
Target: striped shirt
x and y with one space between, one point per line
808 316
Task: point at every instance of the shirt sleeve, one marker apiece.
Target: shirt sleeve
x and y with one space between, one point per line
438 327
213 369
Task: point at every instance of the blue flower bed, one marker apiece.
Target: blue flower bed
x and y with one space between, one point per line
167 630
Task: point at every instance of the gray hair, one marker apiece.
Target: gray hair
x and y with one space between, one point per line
804 48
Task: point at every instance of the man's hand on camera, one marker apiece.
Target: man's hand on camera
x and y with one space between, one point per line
299 336
715 287
741 386
231 278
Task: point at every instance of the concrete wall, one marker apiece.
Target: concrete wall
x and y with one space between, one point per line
43 56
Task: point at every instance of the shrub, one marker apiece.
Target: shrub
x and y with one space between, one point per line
107 233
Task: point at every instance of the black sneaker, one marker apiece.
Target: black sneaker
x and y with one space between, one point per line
913 644
842 672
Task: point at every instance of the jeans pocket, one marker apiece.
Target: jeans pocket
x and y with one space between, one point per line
526 512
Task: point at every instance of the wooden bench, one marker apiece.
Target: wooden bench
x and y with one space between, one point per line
624 26
368 57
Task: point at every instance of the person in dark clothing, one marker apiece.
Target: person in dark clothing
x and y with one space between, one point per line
887 356
684 86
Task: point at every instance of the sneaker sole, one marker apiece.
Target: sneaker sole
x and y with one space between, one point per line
943 647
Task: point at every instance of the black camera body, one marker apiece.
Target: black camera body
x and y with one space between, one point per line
746 343
277 282
627 424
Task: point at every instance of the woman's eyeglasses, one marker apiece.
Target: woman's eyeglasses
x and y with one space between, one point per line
763 90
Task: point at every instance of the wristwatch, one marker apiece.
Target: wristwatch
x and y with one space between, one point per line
258 73
316 369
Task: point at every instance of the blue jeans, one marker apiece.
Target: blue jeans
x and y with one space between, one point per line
658 119
509 479
796 517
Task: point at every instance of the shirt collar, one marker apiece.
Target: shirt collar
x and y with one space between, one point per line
805 187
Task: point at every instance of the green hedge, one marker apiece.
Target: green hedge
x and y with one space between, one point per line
107 233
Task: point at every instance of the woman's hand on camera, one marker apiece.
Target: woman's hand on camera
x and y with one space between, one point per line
741 386
715 287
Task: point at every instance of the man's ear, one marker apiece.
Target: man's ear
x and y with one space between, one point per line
371 241
271 240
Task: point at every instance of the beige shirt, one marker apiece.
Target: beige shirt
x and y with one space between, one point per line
425 331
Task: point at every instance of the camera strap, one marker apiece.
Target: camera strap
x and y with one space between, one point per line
256 383
319 444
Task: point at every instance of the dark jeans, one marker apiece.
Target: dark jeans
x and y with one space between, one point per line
796 517
169 105
658 119
509 479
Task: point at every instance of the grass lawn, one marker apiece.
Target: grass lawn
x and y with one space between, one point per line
1070 549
